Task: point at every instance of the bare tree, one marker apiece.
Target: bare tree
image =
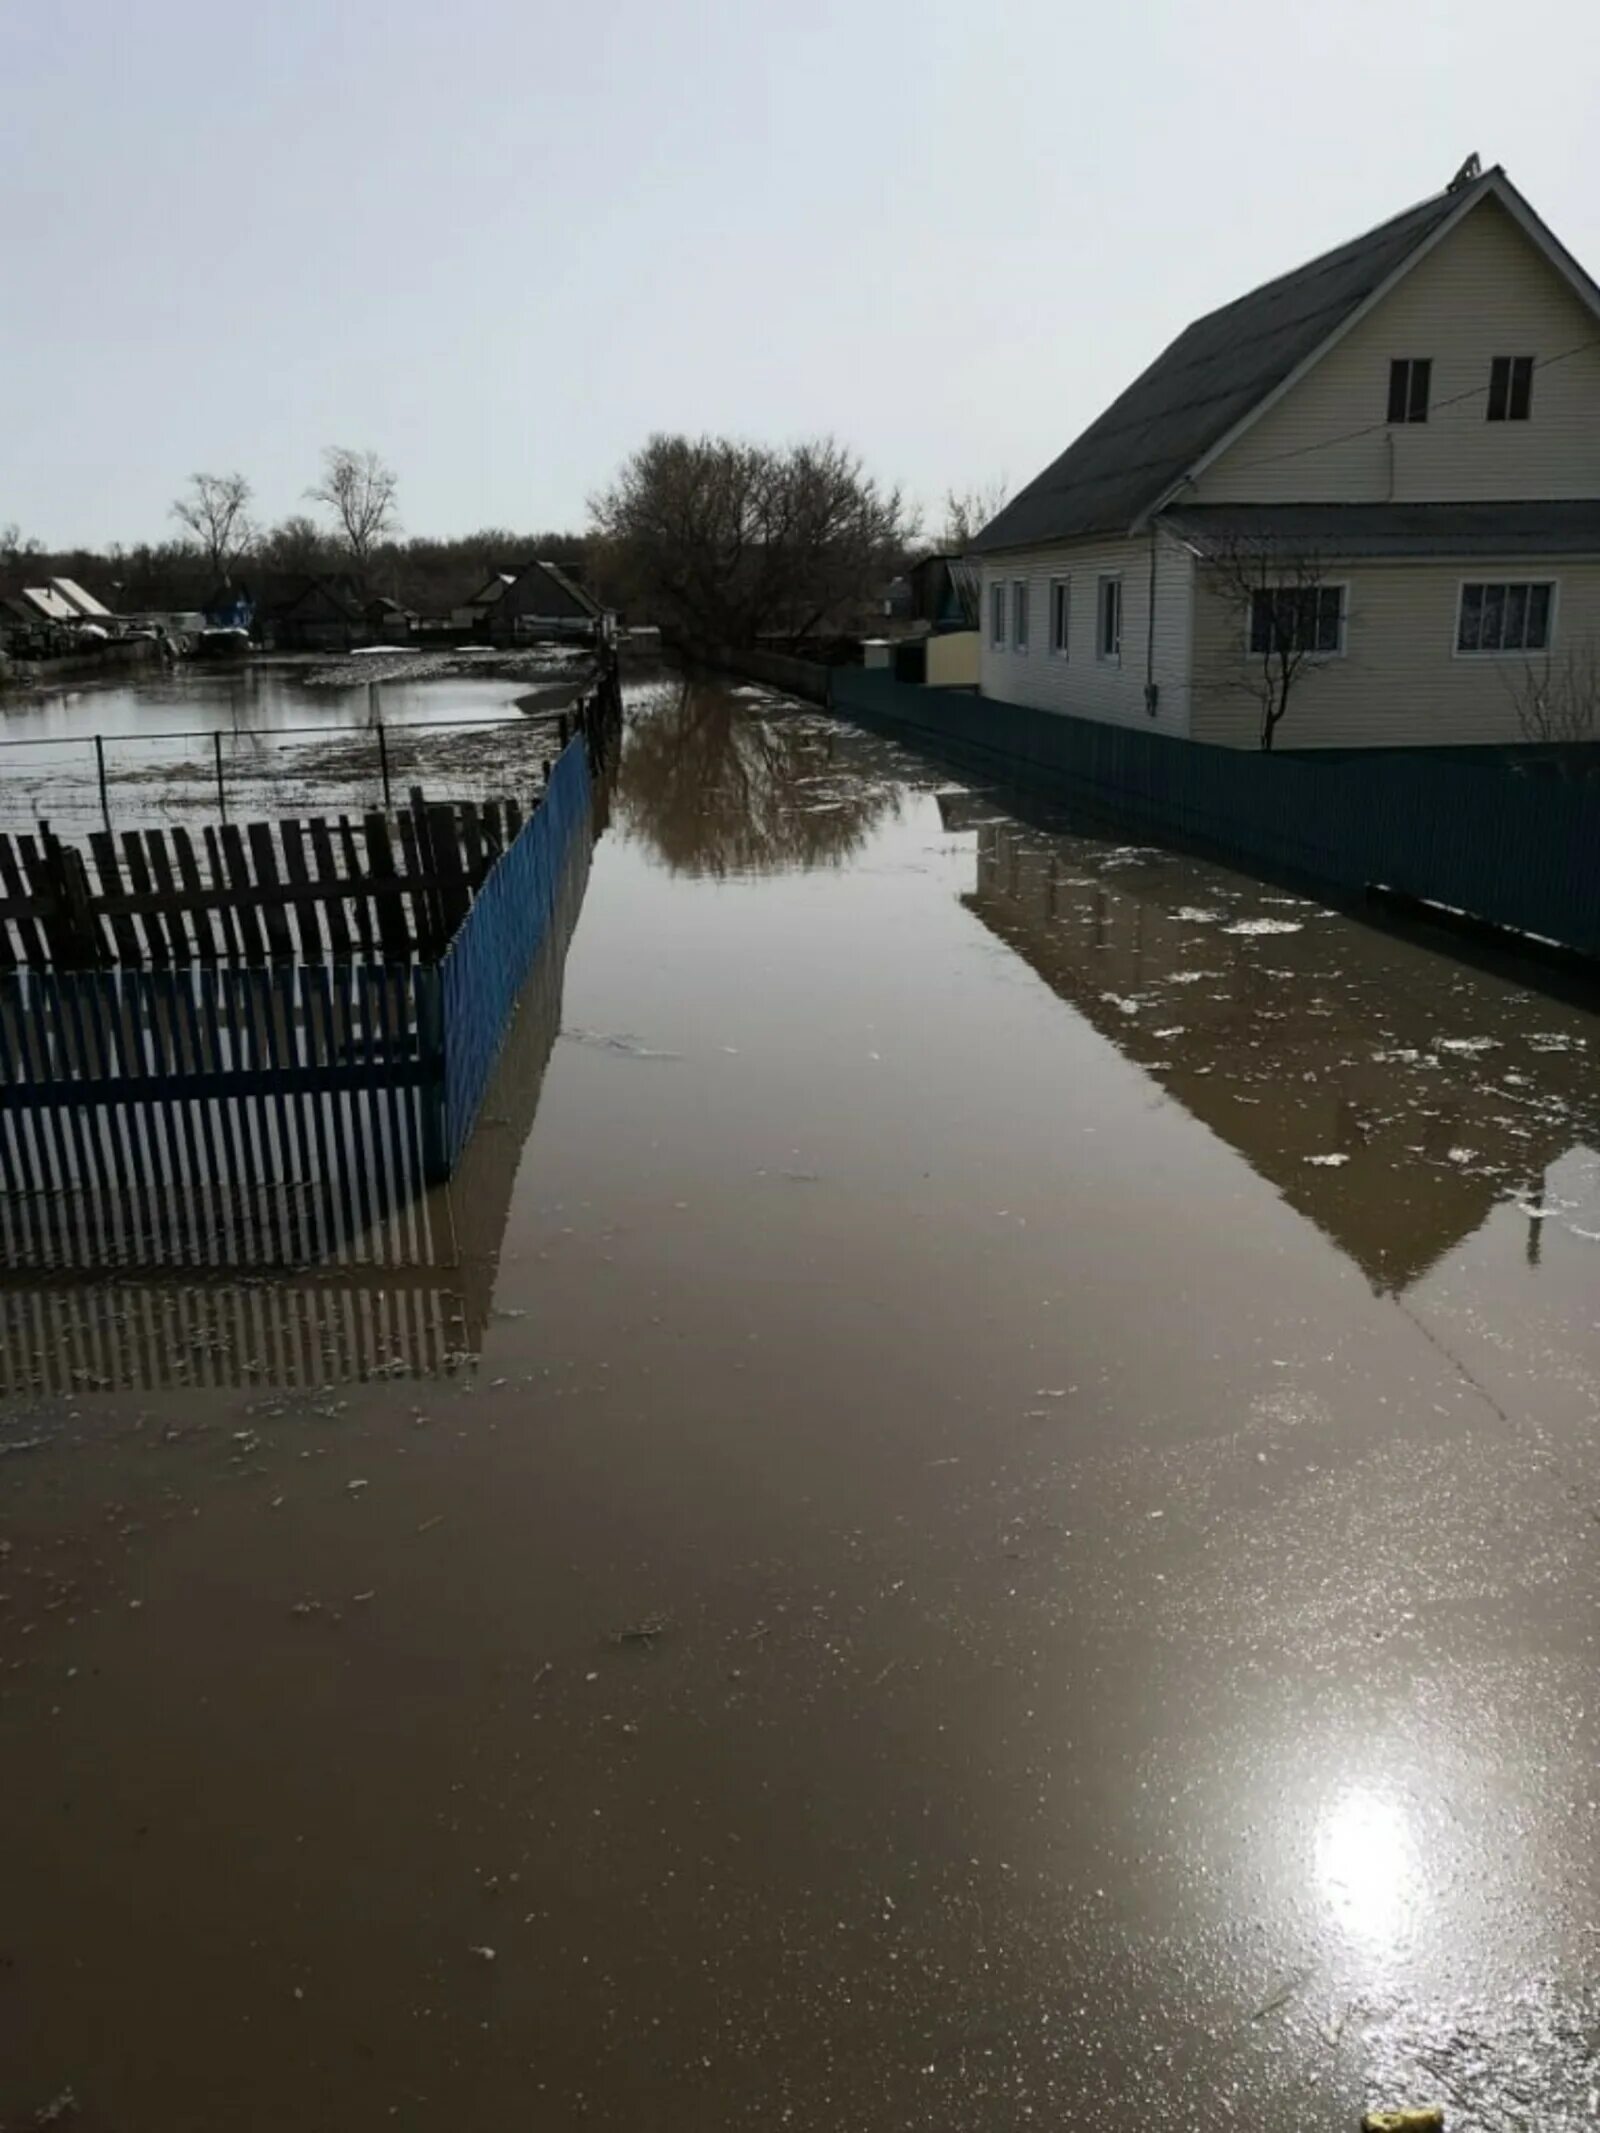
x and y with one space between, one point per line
1558 700
968 511
730 541
1286 616
297 544
359 490
214 508
15 548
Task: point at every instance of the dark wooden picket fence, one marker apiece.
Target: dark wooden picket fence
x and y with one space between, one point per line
312 890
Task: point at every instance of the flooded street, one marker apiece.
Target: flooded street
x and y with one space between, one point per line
982 1506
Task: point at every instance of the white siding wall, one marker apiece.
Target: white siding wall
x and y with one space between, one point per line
1400 682
1483 291
1082 683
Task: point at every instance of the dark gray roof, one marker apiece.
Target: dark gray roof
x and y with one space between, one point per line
1559 527
1211 376
570 586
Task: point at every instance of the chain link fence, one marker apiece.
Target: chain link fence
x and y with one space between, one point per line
141 780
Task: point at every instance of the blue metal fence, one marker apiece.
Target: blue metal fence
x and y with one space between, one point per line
488 959
1509 845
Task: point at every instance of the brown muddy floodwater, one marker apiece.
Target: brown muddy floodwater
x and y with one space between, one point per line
1022 1541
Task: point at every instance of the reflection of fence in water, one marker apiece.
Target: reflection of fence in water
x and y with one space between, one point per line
311 1252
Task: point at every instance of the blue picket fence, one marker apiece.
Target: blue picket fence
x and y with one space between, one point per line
1509 844
484 967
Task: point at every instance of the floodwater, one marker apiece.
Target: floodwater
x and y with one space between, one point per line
1012 1538
279 729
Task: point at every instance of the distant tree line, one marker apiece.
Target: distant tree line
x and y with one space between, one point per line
720 540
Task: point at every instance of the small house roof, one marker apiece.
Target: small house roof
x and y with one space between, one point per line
54 606
571 587
1220 370
84 602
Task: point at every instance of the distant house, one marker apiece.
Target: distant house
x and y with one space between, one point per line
88 607
387 621
945 591
530 600
298 613
48 603
1388 460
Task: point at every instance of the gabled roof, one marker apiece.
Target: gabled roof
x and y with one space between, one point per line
488 593
84 602
1221 370
571 587
54 606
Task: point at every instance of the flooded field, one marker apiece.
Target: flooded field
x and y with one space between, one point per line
281 735
981 1508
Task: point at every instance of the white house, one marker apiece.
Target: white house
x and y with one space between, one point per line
1387 461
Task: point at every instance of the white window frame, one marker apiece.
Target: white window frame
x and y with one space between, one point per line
1063 649
1105 658
1541 652
1339 585
998 597
1021 604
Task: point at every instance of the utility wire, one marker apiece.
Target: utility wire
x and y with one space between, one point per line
1474 392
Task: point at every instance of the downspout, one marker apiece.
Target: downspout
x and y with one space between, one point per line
1152 695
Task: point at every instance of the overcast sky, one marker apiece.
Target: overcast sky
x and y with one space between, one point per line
502 241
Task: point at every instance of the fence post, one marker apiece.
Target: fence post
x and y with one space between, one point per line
383 759
222 795
100 767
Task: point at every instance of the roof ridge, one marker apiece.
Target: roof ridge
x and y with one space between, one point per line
1350 244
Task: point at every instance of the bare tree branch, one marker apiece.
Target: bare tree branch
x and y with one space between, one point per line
1558 700
732 541
359 491
968 511
214 509
1286 616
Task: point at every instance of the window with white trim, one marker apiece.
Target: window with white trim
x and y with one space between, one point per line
997 617
1019 615
1060 616
1505 618
1409 380
1297 618
1108 637
1510 388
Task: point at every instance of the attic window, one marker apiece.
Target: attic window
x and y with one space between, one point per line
1409 378
1510 388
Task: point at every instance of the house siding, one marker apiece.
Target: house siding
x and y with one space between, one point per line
1082 684
1484 290
1400 682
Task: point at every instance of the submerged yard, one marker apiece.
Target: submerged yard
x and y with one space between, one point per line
1008 1530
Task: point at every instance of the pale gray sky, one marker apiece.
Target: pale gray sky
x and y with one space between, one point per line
502 240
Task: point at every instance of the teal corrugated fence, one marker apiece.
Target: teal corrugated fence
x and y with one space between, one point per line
1509 844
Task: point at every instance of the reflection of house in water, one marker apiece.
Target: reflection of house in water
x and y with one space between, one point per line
354 1272
1392 1096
